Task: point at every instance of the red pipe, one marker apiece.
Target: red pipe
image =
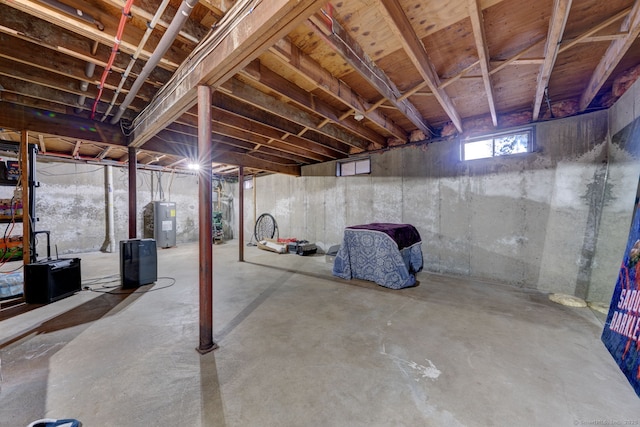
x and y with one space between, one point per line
327 16
126 14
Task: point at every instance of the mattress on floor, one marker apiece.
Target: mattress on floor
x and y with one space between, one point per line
11 284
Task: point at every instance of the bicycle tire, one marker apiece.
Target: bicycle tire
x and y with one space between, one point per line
265 227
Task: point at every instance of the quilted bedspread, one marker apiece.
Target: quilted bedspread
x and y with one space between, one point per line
369 252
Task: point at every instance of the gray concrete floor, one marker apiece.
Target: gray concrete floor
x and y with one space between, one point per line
299 348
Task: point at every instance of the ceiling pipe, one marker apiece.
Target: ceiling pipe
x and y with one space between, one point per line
74 12
165 43
126 14
84 85
150 27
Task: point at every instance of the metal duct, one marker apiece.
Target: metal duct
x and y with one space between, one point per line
165 43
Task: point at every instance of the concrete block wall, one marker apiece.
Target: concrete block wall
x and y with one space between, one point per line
555 219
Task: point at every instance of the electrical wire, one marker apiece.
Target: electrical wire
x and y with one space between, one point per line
202 51
106 289
45 173
126 14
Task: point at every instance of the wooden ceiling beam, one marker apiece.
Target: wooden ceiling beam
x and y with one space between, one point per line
104 153
617 49
247 161
76 149
303 65
568 44
42 144
53 95
191 32
276 83
246 93
340 40
517 56
252 125
603 38
475 13
223 129
559 16
287 129
41 121
128 44
187 148
61 41
401 26
228 49
38 104
177 162
39 80
21 52
217 7
244 144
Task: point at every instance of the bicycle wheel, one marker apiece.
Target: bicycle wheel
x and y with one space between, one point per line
265 227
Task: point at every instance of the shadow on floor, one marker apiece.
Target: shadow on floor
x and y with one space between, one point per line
210 395
40 342
85 313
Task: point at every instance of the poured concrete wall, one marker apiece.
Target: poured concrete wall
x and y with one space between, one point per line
71 204
555 220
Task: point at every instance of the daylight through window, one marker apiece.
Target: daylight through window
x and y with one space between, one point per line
519 141
354 167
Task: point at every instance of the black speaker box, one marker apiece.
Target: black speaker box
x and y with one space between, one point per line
138 262
49 280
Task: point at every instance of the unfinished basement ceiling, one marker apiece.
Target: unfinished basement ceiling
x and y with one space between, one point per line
300 82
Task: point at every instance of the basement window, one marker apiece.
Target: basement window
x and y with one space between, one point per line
353 167
501 144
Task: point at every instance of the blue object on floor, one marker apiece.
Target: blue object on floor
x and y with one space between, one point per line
11 284
49 422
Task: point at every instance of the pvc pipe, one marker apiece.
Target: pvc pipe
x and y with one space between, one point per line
150 27
165 43
109 244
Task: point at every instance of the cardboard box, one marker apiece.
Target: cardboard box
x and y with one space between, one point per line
13 170
272 246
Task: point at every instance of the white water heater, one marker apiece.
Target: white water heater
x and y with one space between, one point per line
160 223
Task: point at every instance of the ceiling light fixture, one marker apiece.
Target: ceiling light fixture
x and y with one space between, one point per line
358 116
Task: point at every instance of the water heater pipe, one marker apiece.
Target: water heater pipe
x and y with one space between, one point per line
109 244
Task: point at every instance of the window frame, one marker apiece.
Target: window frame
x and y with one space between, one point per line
354 161
498 135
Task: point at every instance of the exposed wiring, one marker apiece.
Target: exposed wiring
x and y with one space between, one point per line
202 51
328 18
126 14
106 289
46 173
546 95
12 271
100 280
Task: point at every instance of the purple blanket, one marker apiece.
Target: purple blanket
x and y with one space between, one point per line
404 235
